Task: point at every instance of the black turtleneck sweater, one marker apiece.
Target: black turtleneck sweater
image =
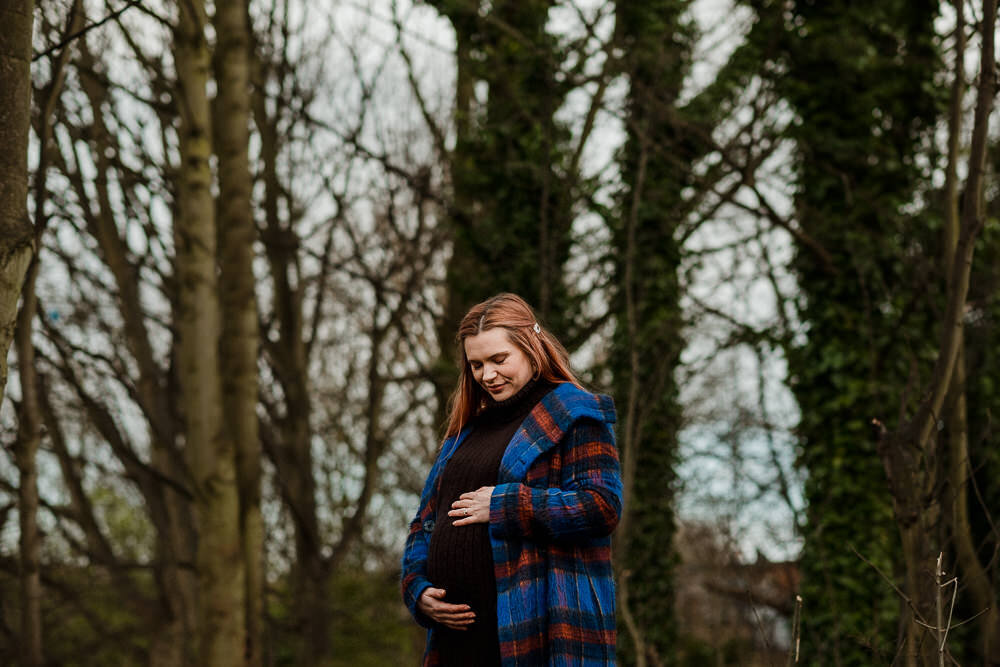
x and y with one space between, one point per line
460 559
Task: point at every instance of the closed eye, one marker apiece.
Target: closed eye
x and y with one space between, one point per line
497 360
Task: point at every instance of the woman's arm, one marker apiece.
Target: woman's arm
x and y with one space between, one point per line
586 504
414 566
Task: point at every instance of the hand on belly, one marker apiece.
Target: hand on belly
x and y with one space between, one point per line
472 507
454 616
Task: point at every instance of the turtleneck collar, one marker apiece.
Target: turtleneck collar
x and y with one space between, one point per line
518 405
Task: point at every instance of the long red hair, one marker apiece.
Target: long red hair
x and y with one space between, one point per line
513 314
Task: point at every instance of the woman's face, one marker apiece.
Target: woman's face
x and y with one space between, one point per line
500 366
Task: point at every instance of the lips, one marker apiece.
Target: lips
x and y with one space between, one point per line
496 389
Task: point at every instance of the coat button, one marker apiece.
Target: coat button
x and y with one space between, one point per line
429 526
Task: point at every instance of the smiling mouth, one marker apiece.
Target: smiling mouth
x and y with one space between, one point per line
497 388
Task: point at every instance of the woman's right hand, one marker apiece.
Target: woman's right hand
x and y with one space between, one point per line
454 616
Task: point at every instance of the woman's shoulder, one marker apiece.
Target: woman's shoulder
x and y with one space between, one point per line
569 402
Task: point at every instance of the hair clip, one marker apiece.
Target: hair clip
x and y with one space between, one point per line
536 328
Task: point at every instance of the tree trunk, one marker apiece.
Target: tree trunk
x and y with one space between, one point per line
655 164
239 307
851 358
26 450
209 446
17 244
973 575
17 238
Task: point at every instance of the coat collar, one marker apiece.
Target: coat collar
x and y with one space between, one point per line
547 423
543 428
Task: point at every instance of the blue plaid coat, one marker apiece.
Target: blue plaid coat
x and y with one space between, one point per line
557 499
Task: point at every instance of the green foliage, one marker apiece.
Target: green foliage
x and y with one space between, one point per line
861 80
693 653
130 531
368 625
88 626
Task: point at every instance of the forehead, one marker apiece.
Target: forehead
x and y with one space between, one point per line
488 343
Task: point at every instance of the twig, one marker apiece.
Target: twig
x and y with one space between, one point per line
899 592
796 631
84 30
760 624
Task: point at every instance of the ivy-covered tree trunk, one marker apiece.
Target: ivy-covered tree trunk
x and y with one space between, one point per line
647 342
862 81
510 217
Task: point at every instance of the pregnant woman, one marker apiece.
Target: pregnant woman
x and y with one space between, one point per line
508 560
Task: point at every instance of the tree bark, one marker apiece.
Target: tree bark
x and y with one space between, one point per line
17 238
239 306
17 245
26 450
209 446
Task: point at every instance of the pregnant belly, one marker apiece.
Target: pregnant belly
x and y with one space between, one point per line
460 560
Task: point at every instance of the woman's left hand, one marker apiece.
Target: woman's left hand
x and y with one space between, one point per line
472 507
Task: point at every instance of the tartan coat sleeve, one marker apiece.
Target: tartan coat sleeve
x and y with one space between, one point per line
587 503
414 566
414 575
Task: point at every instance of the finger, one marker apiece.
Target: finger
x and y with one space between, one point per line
464 619
469 521
435 592
467 496
446 608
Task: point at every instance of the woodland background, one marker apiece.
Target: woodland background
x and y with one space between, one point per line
236 238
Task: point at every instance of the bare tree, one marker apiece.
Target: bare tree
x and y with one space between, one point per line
911 453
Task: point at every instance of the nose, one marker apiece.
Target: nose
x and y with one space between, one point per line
489 373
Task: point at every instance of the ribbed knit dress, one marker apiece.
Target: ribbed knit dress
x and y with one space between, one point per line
460 559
